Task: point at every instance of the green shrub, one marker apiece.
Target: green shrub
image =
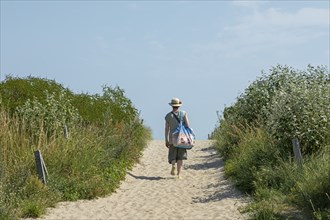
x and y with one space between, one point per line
111 105
90 107
301 109
288 103
15 91
50 117
119 107
255 138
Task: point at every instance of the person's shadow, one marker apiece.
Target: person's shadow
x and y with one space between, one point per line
146 177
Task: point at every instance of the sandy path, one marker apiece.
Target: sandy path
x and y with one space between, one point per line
150 192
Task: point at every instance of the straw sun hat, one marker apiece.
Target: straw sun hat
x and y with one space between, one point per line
175 102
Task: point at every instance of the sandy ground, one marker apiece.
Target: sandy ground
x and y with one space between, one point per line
150 192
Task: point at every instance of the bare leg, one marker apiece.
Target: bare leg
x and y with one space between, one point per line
173 167
179 166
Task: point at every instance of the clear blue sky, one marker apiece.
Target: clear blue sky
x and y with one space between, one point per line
204 52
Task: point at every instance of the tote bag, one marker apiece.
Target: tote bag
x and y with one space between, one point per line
183 137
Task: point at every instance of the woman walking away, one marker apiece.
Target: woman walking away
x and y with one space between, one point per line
175 155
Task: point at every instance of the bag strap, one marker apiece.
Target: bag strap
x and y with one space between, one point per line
176 117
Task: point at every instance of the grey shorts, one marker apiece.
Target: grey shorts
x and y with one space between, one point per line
176 154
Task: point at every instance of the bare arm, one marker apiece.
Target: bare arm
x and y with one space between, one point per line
167 128
186 120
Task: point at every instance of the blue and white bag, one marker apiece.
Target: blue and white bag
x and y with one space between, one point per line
183 137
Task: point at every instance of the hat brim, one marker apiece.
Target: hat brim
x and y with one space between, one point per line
174 105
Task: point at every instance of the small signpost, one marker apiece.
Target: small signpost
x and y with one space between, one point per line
41 167
297 151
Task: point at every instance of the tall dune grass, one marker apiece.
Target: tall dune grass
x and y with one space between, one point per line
89 164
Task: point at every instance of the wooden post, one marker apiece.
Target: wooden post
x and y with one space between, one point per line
65 130
297 151
41 167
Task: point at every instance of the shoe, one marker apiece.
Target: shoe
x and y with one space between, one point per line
179 177
173 171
